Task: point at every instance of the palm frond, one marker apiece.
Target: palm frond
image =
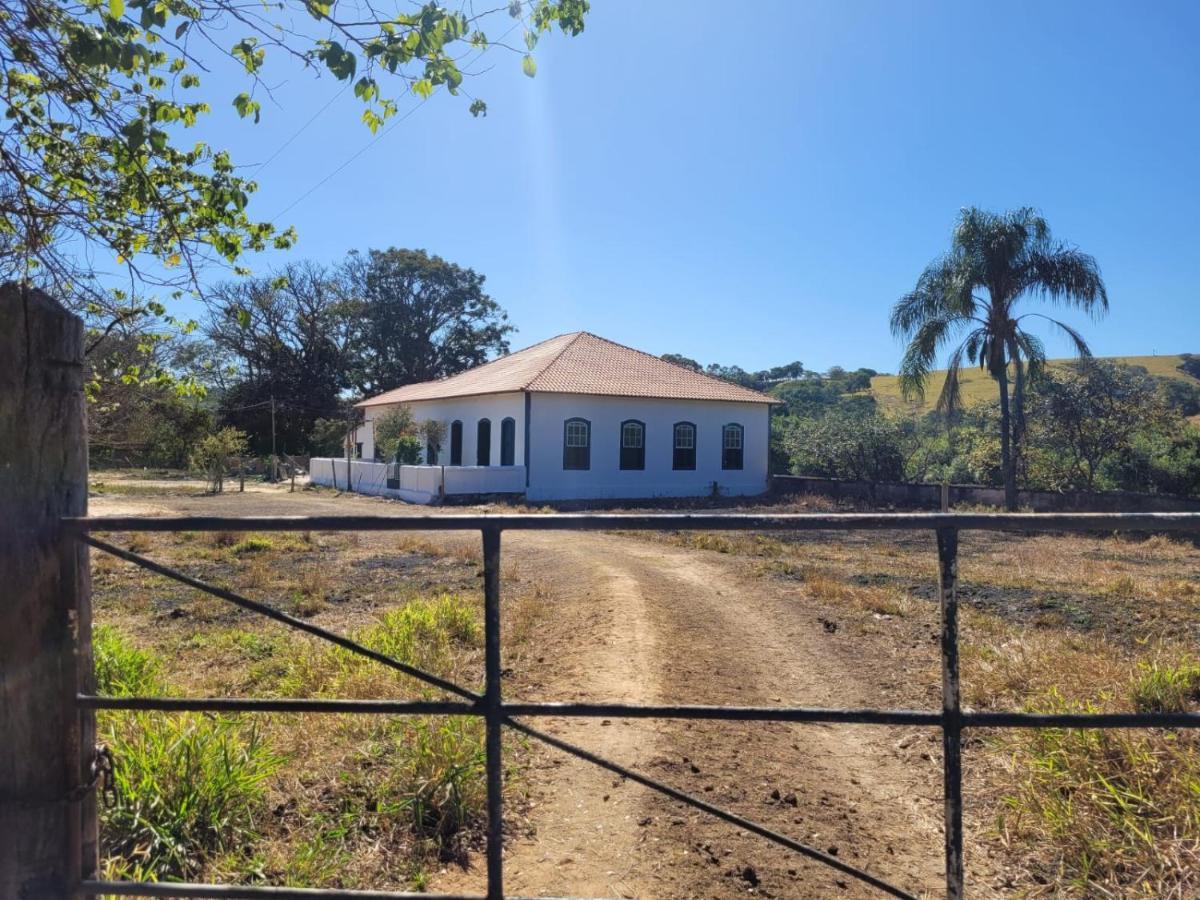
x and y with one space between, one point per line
921 355
1065 276
943 290
1077 340
950 399
1034 351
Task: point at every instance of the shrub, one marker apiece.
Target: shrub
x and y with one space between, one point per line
390 428
213 455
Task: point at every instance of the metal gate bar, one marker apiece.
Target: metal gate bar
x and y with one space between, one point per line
497 714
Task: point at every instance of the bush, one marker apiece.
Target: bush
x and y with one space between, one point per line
408 450
390 428
214 454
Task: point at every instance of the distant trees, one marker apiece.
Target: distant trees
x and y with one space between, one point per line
280 347
757 381
295 347
995 261
146 407
846 445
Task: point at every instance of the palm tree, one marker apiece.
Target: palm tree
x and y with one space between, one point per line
994 262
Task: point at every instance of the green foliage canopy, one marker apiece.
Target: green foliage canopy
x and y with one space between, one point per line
98 96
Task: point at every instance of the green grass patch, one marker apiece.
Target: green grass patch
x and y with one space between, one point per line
254 543
1169 687
426 633
189 788
1111 812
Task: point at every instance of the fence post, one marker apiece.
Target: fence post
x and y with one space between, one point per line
493 715
947 544
47 817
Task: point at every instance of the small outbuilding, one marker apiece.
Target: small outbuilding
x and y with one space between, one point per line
579 417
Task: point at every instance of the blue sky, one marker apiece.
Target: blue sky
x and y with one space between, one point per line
754 184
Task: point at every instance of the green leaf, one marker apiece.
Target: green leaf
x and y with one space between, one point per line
116 8
243 317
529 65
479 108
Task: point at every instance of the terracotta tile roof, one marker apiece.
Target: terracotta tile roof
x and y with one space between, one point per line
577 363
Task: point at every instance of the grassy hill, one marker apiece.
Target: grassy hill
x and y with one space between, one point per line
978 386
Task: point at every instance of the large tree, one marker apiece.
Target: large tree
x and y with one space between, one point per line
97 171
1091 411
995 262
279 346
418 317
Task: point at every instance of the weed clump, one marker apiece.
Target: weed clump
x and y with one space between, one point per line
1161 686
189 788
1113 812
253 544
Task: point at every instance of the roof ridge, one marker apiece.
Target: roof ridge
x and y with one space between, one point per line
700 372
557 356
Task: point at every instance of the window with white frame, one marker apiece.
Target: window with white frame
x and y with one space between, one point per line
684 456
577 444
732 439
633 444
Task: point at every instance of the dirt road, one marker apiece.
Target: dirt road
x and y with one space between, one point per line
632 620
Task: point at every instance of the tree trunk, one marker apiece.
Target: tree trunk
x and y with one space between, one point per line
1006 457
1018 431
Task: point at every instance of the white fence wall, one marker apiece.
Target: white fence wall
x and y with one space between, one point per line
418 484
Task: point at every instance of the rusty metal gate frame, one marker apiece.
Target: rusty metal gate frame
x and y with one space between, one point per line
497 714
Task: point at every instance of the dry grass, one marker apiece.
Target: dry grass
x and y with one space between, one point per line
360 801
977 385
1048 622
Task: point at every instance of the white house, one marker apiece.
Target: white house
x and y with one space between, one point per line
581 417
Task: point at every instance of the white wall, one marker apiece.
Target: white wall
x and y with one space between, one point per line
605 479
417 484
468 410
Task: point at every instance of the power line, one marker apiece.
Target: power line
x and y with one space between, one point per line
379 137
308 193
299 131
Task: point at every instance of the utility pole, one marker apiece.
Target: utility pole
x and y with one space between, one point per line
350 435
274 458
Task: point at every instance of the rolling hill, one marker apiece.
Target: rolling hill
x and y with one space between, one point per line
978 386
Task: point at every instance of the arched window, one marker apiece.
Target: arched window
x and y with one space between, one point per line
456 443
483 443
577 444
633 444
732 439
684 456
508 441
